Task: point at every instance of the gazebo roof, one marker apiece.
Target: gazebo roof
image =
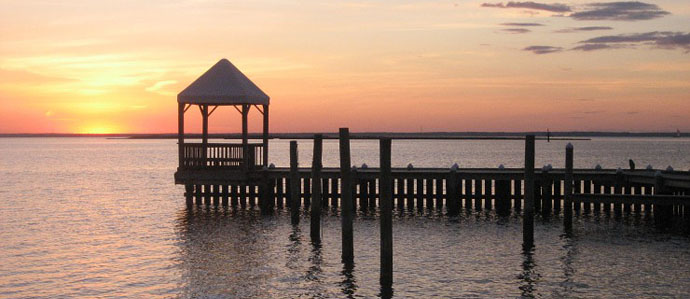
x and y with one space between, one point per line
223 84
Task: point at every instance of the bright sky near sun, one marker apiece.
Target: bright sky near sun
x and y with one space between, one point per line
116 66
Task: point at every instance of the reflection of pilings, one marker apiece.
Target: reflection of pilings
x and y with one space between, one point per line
293 260
529 275
568 270
349 283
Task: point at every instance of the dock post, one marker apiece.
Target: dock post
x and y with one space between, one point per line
429 195
216 195
409 194
502 196
452 193
316 165
619 189
346 198
528 218
294 184
224 195
662 214
189 191
401 190
265 198
546 193
568 190
386 205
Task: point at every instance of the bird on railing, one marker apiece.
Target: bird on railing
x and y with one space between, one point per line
632 164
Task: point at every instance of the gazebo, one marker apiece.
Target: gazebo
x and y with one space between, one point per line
222 85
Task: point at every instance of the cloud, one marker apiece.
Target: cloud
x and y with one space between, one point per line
522 24
554 7
584 29
159 86
543 49
516 30
592 47
620 11
656 39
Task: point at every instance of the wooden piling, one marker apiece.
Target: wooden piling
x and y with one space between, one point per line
400 191
224 195
334 192
468 194
419 193
568 190
662 213
477 195
216 195
188 194
429 195
386 204
502 197
294 184
363 195
452 193
488 198
528 218
316 165
347 203
546 193
409 195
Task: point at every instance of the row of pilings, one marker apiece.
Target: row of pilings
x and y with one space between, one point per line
546 191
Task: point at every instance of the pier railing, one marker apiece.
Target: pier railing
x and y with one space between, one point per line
220 155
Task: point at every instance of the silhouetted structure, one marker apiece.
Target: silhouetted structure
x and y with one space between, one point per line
206 163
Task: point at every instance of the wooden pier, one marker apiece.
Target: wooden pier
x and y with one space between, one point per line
239 176
424 189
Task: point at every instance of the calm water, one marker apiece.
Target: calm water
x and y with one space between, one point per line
88 217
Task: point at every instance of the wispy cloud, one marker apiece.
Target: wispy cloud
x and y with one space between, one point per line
584 29
657 39
522 24
543 49
593 47
516 30
620 11
553 7
159 86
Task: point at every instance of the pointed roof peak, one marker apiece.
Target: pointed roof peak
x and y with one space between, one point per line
223 84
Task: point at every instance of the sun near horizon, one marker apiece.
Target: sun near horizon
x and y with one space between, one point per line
102 68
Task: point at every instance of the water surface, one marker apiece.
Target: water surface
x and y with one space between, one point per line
92 217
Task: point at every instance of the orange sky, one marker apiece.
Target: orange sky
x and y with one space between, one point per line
92 67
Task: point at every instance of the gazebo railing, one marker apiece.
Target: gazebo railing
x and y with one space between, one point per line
220 155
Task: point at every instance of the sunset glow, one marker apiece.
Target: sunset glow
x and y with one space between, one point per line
116 67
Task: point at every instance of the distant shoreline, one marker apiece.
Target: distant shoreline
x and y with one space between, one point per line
376 135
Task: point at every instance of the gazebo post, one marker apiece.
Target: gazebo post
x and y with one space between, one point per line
265 157
204 133
245 145
180 132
